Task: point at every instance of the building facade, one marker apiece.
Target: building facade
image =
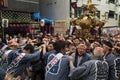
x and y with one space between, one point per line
58 10
55 9
62 10
108 8
19 9
19 13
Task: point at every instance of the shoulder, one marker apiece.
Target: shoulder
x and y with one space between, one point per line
50 57
12 53
50 52
65 57
88 56
73 55
89 63
111 57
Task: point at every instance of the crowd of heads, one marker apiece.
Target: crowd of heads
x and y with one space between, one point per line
66 44
71 42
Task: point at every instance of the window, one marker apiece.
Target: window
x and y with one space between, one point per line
116 16
111 14
78 11
98 14
116 1
106 1
112 1
106 15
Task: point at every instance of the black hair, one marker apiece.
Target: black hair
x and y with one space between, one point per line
118 44
29 47
117 50
76 38
51 42
67 44
58 45
98 40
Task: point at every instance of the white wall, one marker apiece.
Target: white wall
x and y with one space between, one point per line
60 9
55 9
103 7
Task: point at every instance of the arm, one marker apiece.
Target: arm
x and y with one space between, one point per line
77 73
44 49
11 56
112 72
32 57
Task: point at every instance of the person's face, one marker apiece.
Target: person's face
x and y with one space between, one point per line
50 47
72 49
54 39
21 38
15 36
81 49
7 36
88 49
64 50
96 44
70 38
10 37
76 41
98 51
74 36
105 48
115 53
116 50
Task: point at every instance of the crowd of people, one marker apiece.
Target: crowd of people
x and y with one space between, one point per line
59 57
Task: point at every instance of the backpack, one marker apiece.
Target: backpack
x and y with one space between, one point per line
102 70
